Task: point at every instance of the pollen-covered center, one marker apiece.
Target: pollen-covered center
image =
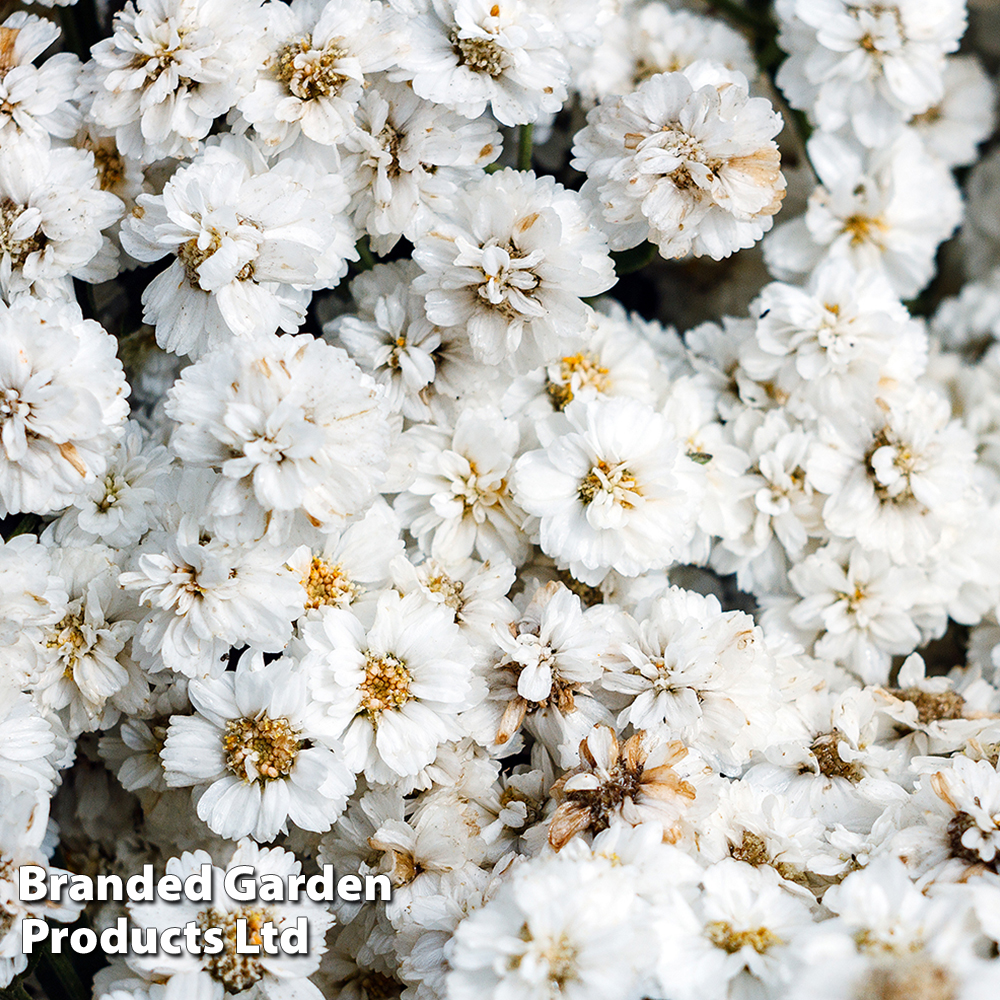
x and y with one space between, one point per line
192 256
260 749
449 589
830 762
311 72
113 486
614 479
328 584
110 166
723 935
236 972
932 706
68 638
508 277
558 955
19 247
890 463
390 139
583 368
386 685
863 228
481 55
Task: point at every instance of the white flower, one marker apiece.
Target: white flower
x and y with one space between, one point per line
320 59
229 972
30 592
460 502
687 161
890 938
643 40
545 674
972 789
249 242
512 267
826 345
611 489
28 744
861 607
81 665
895 474
704 675
865 63
170 69
744 922
23 820
558 927
393 694
615 360
466 54
873 210
119 507
296 429
35 101
407 160
392 338
52 212
259 752
62 404
965 116
205 594
350 568
474 592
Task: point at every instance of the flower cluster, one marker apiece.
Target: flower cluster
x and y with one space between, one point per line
362 506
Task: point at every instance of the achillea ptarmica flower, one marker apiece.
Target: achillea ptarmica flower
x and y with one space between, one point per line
320 59
511 266
249 242
293 425
393 694
631 782
52 213
62 404
259 753
467 54
688 161
609 496
171 68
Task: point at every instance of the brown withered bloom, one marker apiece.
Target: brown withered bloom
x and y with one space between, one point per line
630 781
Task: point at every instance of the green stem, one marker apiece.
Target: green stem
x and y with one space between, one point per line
524 147
15 991
365 254
59 978
635 259
27 524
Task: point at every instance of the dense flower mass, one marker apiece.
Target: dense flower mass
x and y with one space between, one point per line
539 456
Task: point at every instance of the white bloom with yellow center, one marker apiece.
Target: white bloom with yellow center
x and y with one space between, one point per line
393 695
249 242
170 69
511 267
466 54
320 59
259 752
460 502
225 973
687 161
611 489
